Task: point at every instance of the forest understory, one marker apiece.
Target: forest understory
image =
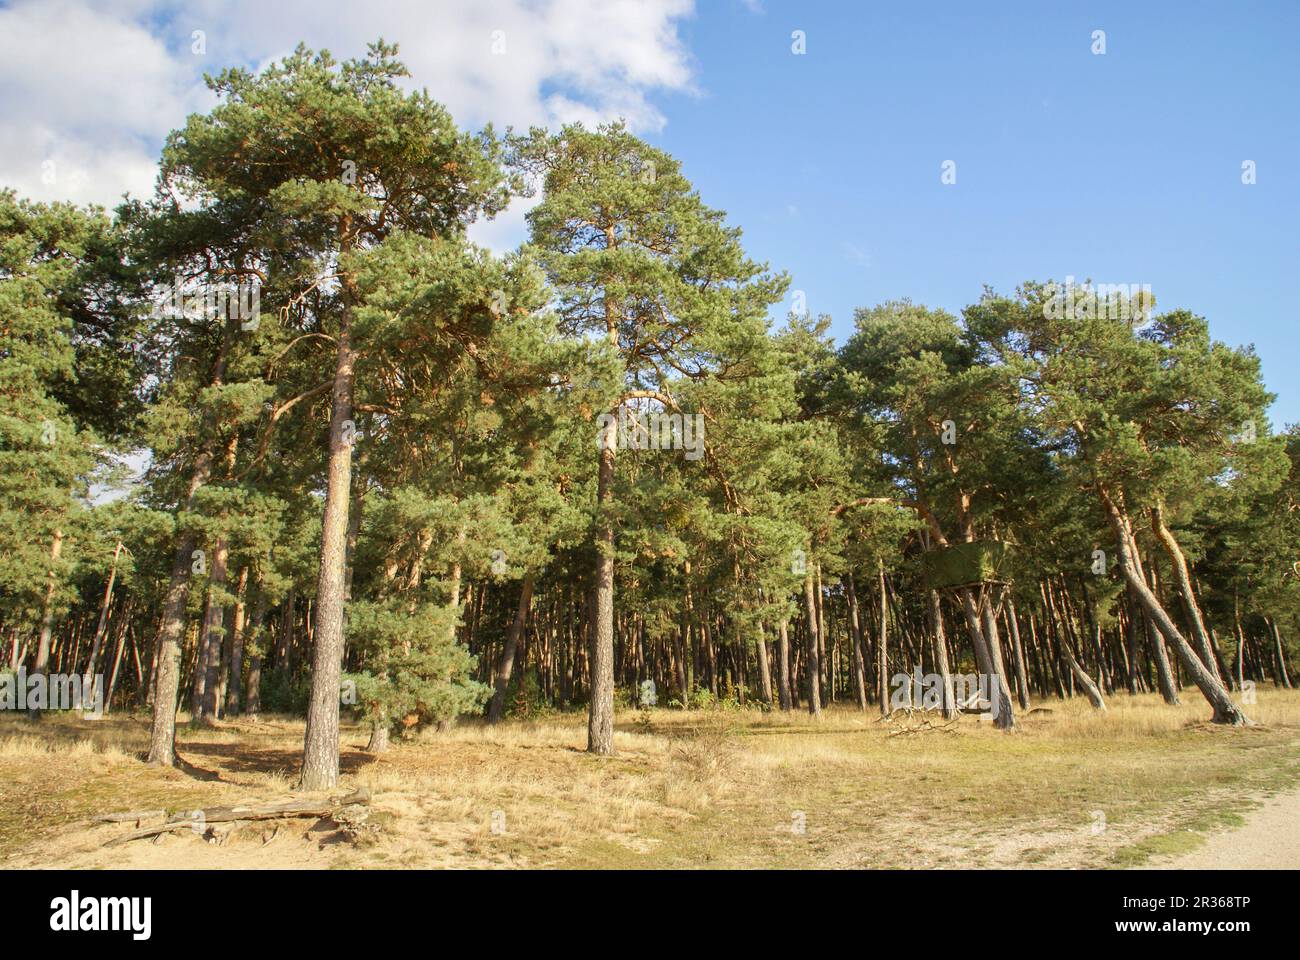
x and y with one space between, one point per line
715 788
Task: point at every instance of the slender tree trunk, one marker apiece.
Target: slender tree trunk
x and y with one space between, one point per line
102 624
882 656
256 643
235 669
783 662
1022 677
1283 677
855 629
813 662
496 708
1178 562
320 760
214 630
166 674
1225 711
1000 705
600 715
47 616
117 662
1081 676
764 670
949 703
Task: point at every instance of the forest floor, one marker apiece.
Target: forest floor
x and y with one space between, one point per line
1143 785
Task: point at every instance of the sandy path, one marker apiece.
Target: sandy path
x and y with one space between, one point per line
1269 840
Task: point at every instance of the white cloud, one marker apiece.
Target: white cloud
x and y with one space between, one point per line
89 88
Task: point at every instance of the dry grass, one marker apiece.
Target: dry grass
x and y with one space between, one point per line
700 788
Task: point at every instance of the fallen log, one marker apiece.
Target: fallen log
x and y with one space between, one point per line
199 819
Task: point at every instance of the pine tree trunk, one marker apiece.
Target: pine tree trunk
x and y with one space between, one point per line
213 634
882 649
117 661
764 670
320 760
855 629
102 624
1005 719
1000 704
1225 711
47 616
783 663
235 668
1178 562
600 715
949 703
497 707
1283 677
1022 676
813 662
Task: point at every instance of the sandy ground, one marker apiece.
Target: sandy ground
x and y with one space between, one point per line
1269 840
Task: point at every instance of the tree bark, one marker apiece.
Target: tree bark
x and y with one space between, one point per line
600 712
47 616
764 669
882 655
1178 562
1283 677
855 631
236 667
1022 676
102 624
496 708
949 702
320 760
214 630
813 662
783 662
1225 711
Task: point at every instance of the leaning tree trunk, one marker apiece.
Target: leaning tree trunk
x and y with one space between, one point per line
1283 678
102 625
999 695
1082 677
320 758
497 707
1022 676
1225 711
1178 563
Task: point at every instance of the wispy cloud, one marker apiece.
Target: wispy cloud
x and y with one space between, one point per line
90 87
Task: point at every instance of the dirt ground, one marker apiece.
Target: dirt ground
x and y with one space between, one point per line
1144 784
1269 840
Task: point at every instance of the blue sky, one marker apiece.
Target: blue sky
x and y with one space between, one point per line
1125 167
